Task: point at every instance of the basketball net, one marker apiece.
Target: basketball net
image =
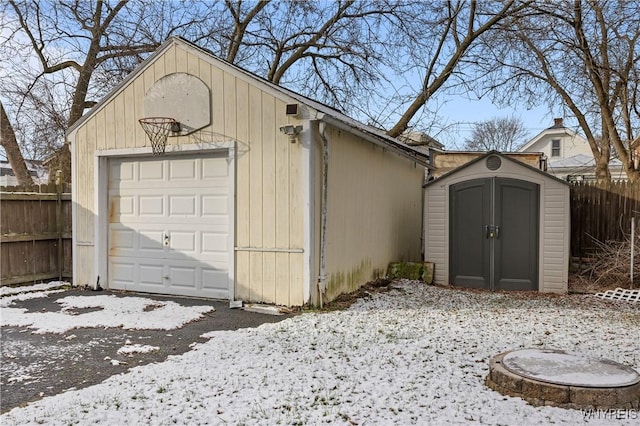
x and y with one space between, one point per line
157 130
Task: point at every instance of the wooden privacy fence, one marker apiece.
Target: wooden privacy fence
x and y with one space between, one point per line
602 210
35 234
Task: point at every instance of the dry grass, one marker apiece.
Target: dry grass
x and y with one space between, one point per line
608 268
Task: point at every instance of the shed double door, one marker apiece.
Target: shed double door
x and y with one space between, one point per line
493 234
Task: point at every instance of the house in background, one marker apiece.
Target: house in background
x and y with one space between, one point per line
36 169
446 161
568 154
261 195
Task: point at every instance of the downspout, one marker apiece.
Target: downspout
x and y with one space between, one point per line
322 275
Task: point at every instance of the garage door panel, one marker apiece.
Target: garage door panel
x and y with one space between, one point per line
121 172
213 279
123 271
151 275
182 169
182 205
184 198
214 243
120 206
214 168
214 205
151 171
183 276
184 242
150 241
151 205
122 239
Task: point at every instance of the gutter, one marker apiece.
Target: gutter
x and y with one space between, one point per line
322 273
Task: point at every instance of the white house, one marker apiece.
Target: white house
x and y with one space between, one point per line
569 155
35 168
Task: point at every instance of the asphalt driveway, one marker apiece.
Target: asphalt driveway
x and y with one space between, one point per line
34 366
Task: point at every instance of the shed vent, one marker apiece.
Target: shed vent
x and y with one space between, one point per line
494 162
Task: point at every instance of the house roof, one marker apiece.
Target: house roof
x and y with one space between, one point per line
503 157
326 113
550 130
579 160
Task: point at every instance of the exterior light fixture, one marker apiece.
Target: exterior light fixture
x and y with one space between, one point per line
291 131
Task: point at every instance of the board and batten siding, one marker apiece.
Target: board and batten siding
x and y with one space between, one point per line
374 211
554 225
268 170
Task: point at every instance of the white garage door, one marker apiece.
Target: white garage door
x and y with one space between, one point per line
169 225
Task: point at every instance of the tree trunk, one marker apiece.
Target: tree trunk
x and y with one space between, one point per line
11 148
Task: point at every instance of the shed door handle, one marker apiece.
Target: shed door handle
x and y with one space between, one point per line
491 231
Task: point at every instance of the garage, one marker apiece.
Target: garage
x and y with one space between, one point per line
496 223
169 225
194 177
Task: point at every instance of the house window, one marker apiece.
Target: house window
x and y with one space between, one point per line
555 148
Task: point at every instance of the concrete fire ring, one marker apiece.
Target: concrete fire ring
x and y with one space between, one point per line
567 380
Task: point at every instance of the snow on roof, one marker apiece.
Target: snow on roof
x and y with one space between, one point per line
579 160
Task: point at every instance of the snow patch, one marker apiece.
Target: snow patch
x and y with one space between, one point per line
126 312
6 291
136 349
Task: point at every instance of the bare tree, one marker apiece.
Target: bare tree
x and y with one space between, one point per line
505 134
352 54
581 57
81 49
330 51
440 39
12 150
345 53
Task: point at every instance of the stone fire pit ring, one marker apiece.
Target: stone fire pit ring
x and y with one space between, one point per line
568 380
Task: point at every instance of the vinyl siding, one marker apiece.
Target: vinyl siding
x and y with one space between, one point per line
436 230
556 239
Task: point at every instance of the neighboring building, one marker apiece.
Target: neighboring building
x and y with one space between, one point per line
36 169
569 156
420 141
446 161
262 195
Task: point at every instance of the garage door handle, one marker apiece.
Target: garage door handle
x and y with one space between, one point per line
165 239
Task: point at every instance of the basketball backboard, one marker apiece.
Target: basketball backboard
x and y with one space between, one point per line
183 97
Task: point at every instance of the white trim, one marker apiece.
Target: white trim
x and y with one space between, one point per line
307 201
171 149
101 225
101 201
74 213
231 200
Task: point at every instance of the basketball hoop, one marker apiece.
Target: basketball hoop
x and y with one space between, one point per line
158 129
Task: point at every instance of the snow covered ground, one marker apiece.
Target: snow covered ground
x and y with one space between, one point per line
107 311
412 356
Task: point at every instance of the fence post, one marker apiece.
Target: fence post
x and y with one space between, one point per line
59 221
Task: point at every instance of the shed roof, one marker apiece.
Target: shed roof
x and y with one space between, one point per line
326 113
502 156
